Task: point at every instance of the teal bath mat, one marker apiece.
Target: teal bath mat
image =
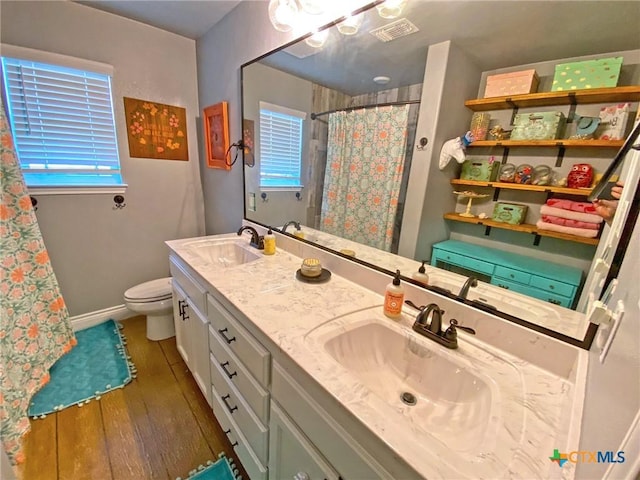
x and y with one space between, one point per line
96 365
223 469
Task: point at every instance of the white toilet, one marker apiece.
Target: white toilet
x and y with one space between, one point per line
153 299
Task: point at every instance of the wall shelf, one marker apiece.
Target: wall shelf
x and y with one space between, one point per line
573 97
548 143
524 228
583 192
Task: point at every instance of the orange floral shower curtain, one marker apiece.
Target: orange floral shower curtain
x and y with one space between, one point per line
365 159
34 321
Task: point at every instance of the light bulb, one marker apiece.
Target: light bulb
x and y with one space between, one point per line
350 25
317 39
391 8
282 14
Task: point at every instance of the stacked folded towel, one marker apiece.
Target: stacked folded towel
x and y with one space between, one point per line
567 216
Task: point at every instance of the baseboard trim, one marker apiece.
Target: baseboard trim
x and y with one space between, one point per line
86 320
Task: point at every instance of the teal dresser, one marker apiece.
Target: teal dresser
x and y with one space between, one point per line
551 282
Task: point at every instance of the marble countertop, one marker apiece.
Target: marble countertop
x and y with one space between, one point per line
265 288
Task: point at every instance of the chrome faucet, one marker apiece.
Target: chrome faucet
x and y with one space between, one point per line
429 324
469 282
292 222
257 241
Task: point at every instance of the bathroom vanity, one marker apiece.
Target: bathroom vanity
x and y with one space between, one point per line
307 380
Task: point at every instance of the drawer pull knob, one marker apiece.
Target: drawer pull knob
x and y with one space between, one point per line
182 309
227 432
234 444
551 287
224 367
555 302
231 409
226 339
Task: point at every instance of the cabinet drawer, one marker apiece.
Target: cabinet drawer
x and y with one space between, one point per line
333 441
196 293
256 396
514 275
248 423
255 469
559 288
466 262
248 350
532 292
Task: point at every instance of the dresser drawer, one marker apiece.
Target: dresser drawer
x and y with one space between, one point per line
532 292
249 351
196 293
255 469
559 288
463 261
256 396
252 428
514 275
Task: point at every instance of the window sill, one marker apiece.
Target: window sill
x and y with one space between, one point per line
68 190
282 189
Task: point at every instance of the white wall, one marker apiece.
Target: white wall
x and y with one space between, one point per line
97 252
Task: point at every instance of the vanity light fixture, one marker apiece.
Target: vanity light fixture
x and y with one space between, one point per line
317 39
391 8
350 25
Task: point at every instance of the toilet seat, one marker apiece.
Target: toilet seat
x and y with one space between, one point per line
153 291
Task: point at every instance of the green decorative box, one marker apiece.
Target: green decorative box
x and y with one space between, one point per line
480 170
512 213
538 126
587 74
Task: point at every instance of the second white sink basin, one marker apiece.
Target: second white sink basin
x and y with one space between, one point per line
224 253
456 398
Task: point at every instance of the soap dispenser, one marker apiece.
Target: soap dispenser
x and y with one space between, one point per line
393 298
269 243
421 275
298 233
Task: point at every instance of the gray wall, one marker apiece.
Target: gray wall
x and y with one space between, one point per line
244 34
98 252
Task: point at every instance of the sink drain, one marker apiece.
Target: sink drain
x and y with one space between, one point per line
409 398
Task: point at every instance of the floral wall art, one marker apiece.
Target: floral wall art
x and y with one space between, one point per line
156 130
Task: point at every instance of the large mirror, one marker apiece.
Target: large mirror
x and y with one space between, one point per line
414 73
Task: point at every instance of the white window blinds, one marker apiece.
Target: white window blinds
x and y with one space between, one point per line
280 146
62 123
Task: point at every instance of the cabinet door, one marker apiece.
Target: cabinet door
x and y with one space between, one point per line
182 322
292 456
199 353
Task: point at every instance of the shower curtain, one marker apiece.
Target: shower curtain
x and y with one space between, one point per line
34 321
365 159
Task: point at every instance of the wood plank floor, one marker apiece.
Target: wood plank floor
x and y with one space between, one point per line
159 426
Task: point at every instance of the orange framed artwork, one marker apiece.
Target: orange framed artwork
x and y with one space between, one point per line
216 135
155 130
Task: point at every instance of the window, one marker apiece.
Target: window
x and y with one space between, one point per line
280 147
61 116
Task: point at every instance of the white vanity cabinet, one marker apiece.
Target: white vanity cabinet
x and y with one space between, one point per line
191 324
240 373
293 455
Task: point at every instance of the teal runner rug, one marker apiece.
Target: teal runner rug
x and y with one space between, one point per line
223 469
96 365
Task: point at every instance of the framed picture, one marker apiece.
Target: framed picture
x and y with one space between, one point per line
216 135
156 130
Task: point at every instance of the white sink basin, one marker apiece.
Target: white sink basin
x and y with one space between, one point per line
224 252
459 397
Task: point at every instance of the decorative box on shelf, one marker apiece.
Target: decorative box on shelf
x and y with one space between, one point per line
613 121
587 74
511 213
538 126
480 125
512 83
480 170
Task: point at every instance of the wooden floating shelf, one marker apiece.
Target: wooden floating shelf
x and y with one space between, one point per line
524 228
573 97
583 192
548 143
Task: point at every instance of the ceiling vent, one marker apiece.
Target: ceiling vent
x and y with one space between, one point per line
394 30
